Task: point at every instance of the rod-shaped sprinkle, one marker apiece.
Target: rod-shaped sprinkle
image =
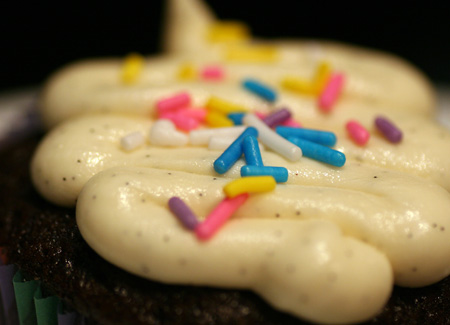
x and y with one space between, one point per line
222 106
357 132
132 68
250 184
202 136
236 118
299 85
213 72
132 141
280 174
252 153
273 140
218 120
181 121
325 138
221 213
183 212
322 75
277 117
389 130
319 152
260 89
229 157
331 92
164 133
173 102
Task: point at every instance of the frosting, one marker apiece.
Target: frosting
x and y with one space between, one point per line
327 245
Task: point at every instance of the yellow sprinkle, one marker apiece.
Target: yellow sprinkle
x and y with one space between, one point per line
250 184
187 71
131 68
217 120
252 53
228 32
322 75
224 107
299 85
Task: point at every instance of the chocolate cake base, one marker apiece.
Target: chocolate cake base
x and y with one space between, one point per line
44 242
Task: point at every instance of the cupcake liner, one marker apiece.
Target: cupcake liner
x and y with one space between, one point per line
26 302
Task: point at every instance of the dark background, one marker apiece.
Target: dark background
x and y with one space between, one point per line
39 38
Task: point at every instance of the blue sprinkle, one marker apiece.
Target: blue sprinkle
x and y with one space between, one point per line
325 138
319 152
259 89
251 151
279 173
229 157
236 118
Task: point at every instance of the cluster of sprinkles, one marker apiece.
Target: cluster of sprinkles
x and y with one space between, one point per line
238 132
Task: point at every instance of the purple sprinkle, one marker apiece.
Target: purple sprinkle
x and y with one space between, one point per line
277 117
389 130
183 212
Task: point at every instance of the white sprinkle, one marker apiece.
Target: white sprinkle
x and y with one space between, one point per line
164 133
201 137
273 140
132 141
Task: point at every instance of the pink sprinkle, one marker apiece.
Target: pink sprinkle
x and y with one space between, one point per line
181 120
212 72
260 115
221 213
173 103
331 92
292 123
357 132
197 113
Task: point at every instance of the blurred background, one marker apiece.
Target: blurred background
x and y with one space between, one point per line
39 38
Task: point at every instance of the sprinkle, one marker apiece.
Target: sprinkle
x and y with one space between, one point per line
173 102
198 113
132 67
331 92
223 106
357 132
183 213
181 120
250 184
221 213
216 119
229 157
273 140
187 71
227 32
298 85
280 174
252 53
213 72
201 137
277 117
325 138
164 133
236 118
292 123
260 89
322 75
132 141
319 152
389 130
251 151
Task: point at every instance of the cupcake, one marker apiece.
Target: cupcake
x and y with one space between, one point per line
236 180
